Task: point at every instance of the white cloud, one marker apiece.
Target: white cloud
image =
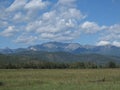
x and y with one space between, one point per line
112 33
115 28
61 22
27 4
16 5
102 43
58 23
18 16
66 2
25 10
3 24
9 31
36 4
91 27
116 43
25 39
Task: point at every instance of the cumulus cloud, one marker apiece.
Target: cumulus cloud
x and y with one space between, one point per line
9 31
112 33
25 10
103 43
91 27
16 5
62 21
25 39
36 4
58 24
27 4
116 43
3 24
18 16
66 2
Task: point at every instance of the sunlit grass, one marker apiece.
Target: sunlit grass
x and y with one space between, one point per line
55 79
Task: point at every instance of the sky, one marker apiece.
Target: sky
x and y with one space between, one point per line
30 22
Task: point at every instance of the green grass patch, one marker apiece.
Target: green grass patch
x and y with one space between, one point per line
56 79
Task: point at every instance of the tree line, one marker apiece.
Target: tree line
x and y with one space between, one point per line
55 65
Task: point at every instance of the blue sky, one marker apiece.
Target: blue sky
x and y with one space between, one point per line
29 22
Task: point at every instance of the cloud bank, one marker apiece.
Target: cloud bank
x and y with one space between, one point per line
43 20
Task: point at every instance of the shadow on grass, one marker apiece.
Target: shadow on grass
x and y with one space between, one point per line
1 83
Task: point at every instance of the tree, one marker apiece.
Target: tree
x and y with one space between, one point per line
112 64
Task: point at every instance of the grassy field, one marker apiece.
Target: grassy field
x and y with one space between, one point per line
67 79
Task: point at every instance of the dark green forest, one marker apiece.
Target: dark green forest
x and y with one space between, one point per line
35 61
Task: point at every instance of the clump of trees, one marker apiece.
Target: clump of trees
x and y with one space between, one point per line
55 65
112 65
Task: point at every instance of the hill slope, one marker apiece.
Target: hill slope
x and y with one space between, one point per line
56 57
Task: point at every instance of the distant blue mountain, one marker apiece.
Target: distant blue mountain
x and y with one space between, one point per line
7 51
61 52
74 48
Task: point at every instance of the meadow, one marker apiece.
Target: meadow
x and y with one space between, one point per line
60 79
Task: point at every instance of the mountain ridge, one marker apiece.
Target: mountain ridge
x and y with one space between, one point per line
62 52
74 48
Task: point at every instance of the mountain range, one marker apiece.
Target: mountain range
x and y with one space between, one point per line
66 52
74 48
